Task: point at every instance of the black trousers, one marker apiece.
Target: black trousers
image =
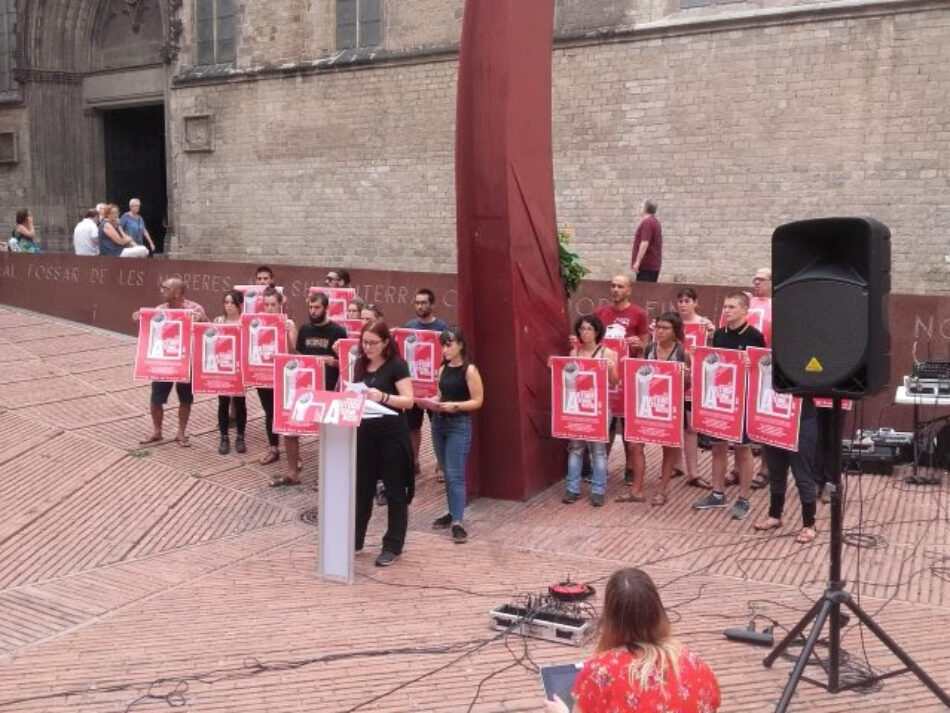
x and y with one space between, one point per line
384 454
804 464
267 403
648 275
224 418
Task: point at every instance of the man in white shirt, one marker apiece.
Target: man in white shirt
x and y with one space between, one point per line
86 234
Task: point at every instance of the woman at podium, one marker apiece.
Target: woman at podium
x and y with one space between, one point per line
383 449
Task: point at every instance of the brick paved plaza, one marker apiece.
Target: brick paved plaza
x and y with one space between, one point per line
121 567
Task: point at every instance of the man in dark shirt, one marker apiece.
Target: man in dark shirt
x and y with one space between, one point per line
315 338
737 334
647 245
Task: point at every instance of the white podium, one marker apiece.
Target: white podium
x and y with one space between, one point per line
339 417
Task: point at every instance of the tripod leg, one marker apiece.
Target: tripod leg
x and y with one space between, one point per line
792 635
826 606
899 652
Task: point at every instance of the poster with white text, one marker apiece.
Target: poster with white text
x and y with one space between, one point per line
423 353
771 418
263 337
296 376
579 398
653 408
216 359
163 350
718 378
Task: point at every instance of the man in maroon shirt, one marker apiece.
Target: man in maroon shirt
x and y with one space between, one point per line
647 245
625 320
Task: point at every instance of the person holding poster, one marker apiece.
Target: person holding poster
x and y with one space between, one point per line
805 468
737 334
264 276
698 330
460 393
233 305
589 330
383 449
273 302
423 302
668 346
623 319
173 292
355 307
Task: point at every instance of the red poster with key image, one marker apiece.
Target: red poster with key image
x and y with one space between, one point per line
615 391
353 327
163 350
653 408
719 392
216 359
771 418
579 398
347 352
317 406
254 298
423 353
263 337
296 377
339 297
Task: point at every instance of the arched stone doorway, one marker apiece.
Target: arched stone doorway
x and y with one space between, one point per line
94 78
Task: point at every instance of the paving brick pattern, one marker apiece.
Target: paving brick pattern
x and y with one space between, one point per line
153 578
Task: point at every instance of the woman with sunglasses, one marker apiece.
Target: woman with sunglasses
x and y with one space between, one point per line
383 450
460 393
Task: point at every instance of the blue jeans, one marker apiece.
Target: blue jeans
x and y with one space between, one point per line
598 461
452 440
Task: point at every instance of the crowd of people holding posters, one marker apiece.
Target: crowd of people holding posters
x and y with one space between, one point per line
668 382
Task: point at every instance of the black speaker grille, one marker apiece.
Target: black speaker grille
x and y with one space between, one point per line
819 331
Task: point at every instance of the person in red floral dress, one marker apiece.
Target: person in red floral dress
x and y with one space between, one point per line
638 666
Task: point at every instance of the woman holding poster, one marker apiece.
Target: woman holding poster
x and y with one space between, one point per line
697 331
383 450
589 330
273 301
667 346
233 306
460 393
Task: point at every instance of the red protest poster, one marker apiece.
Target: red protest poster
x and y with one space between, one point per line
347 351
163 351
423 353
263 336
317 406
339 297
353 326
216 359
615 393
653 408
719 392
760 316
696 335
296 377
579 398
771 418
254 298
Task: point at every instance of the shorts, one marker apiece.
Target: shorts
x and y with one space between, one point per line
161 390
415 416
746 441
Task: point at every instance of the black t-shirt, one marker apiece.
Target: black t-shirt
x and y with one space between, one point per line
392 371
741 338
318 340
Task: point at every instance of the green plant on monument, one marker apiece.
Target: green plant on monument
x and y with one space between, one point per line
572 272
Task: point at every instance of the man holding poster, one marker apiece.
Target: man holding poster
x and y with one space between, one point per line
737 334
173 294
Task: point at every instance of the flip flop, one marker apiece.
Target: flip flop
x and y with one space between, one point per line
151 439
658 499
806 535
769 523
630 498
699 482
184 442
285 480
270 457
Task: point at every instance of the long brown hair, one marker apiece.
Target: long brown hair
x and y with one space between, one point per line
634 618
381 330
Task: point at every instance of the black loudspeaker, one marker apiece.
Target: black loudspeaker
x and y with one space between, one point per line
831 278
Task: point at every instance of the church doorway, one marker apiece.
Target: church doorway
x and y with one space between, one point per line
135 164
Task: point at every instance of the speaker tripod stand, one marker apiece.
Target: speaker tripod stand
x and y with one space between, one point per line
828 608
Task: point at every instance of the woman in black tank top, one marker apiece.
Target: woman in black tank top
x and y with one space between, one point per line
460 393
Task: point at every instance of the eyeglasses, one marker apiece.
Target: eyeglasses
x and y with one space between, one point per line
375 343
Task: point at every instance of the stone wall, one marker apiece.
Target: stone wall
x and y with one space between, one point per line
734 123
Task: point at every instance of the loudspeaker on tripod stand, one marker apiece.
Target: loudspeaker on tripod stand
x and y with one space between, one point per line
831 277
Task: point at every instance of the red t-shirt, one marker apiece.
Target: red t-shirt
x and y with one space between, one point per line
623 323
604 686
650 231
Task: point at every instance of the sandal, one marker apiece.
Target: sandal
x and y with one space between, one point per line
658 499
769 523
284 480
700 482
758 481
151 439
630 498
184 441
806 535
270 457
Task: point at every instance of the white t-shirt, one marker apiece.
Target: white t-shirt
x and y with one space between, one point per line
86 237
